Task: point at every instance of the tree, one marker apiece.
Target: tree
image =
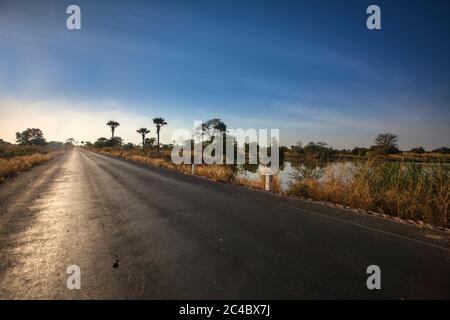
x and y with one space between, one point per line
114 142
386 143
101 142
318 149
297 147
208 128
33 136
104 142
159 122
359 151
4 142
418 150
149 142
128 146
113 125
443 150
143 132
386 140
70 142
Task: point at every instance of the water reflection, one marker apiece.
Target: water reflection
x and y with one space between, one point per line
291 170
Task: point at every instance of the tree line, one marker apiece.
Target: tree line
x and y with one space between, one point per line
385 143
118 141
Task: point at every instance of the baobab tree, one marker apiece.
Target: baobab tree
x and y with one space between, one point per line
386 140
143 132
159 122
113 125
386 143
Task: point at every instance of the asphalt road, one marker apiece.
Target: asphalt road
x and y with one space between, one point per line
138 232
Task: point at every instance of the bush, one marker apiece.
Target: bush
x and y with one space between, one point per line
113 142
419 150
383 150
443 150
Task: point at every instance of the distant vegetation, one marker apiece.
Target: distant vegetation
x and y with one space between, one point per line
383 179
385 147
32 137
31 149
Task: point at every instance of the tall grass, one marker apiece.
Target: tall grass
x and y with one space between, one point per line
404 190
221 173
12 166
8 151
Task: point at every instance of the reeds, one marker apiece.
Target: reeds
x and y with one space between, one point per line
404 190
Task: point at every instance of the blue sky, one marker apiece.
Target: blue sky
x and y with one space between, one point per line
310 68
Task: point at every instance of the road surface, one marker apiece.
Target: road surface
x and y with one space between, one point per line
151 233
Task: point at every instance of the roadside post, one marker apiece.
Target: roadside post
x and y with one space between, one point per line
267 173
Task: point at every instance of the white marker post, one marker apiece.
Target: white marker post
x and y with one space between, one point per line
265 171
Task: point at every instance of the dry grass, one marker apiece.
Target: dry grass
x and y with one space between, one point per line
222 173
404 190
416 157
12 166
248 183
215 172
259 184
276 183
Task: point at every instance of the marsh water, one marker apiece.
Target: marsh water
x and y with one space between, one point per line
290 170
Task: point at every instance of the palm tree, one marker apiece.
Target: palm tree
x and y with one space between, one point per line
143 132
159 122
113 125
